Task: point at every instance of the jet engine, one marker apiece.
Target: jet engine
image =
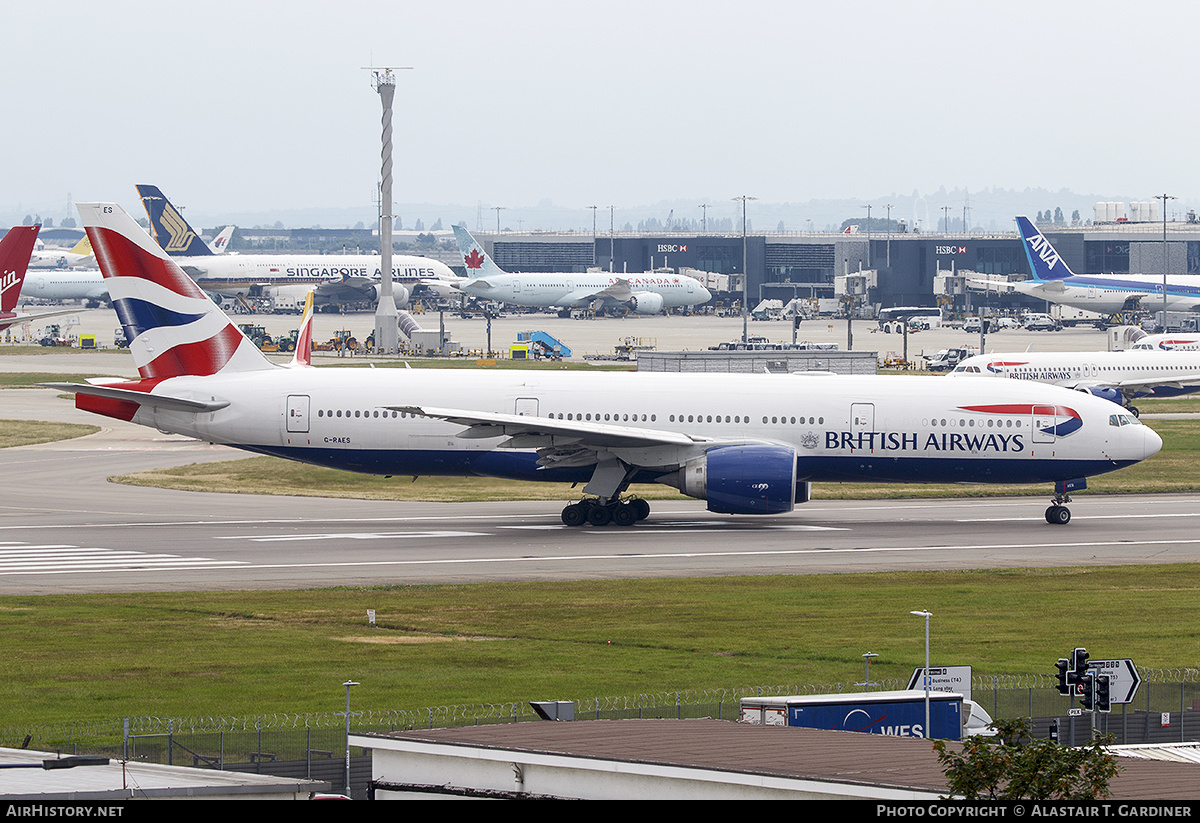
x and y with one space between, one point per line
1107 392
400 293
750 479
646 302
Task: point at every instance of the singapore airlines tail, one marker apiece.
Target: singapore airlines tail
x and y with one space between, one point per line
477 261
1044 262
171 230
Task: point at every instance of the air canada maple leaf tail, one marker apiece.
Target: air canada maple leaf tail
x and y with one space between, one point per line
1044 262
475 259
173 327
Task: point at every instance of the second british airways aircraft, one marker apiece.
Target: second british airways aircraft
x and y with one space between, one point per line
745 443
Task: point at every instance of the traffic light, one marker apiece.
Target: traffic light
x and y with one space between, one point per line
1087 690
1103 695
1079 659
1064 676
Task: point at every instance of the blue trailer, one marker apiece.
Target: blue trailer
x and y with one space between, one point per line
896 713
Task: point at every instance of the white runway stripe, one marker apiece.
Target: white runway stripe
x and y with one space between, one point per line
16 559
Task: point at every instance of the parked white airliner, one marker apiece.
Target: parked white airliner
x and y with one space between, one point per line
1054 281
745 443
66 284
1119 376
340 278
646 293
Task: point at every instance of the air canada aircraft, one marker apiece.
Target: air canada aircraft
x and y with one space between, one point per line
1054 281
15 249
1119 376
340 278
646 293
745 443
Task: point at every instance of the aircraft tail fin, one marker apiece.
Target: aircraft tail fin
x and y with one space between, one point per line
171 230
84 247
302 357
15 250
220 243
477 261
1044 262
173 327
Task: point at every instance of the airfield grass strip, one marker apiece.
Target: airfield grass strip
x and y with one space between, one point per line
189 654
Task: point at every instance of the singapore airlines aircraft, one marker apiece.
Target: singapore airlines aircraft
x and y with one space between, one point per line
647 293
745 443
1119 376
15 249
341 278
1054 281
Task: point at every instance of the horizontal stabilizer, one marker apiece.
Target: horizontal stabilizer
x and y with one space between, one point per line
144 399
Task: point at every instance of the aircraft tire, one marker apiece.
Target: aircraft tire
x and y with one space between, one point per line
574 515
641 507
599 516
624 515
1058 515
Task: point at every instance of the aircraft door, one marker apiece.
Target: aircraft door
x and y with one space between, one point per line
297 412
1043 421
862 417
526 407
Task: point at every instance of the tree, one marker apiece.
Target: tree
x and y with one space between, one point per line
1014 766
1058 215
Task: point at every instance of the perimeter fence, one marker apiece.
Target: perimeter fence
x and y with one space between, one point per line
1165 709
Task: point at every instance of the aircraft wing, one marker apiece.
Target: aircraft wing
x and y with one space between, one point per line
6 322
141 398
1140 386
618 291
562 443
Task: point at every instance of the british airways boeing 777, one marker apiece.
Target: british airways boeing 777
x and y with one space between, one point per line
745 443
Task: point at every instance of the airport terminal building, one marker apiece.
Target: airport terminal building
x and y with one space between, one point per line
899 269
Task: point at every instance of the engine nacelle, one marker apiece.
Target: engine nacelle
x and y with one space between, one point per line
1107 392
399 294
646 302
752 479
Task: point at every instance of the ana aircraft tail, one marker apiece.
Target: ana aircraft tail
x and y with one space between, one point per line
15 249
174 329
474 257
171 231
1044 262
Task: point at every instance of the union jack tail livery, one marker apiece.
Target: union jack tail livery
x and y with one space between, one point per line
15 249
173 327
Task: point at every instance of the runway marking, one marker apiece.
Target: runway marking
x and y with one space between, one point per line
59 558
273 538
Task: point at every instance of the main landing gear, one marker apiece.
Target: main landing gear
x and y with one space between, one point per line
594 511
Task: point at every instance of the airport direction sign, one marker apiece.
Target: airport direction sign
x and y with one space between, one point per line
955 679
1123 678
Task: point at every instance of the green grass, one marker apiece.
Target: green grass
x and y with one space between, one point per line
83 657
28 432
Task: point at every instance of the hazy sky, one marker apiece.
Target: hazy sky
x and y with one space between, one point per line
255 106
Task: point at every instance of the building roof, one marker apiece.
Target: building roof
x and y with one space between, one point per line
25 779
829 757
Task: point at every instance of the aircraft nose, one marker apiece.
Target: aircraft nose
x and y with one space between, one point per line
1151 442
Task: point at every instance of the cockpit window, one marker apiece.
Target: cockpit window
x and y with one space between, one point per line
1123 420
